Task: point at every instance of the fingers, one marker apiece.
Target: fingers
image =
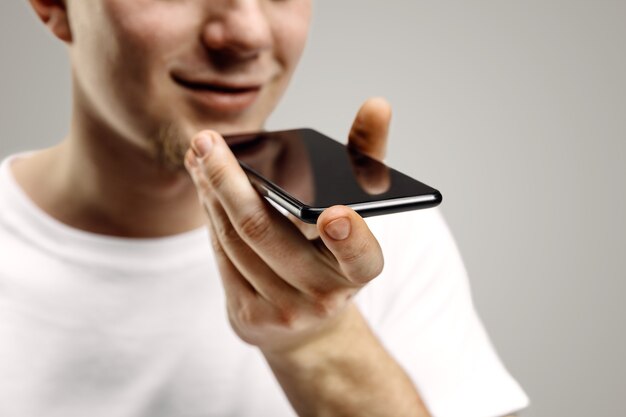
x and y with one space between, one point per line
254 220
371 127
265 247
351 242
260 276
248 312
256 237
231 251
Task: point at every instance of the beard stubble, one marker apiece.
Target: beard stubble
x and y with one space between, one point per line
171 145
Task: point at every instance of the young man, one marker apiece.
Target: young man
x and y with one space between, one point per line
112 302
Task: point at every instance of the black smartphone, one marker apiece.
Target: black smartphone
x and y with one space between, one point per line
305 172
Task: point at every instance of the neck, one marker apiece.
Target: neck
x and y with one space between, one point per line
98 181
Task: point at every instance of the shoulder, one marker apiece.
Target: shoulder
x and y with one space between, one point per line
421 257
413 236
422 310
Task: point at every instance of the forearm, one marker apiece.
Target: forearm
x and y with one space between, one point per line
346 373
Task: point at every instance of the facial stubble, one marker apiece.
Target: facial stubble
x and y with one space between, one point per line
170 146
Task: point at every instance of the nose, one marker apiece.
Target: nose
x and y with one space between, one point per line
241 28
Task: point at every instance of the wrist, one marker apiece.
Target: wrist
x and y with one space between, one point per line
324 345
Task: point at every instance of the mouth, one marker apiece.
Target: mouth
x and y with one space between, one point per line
220 96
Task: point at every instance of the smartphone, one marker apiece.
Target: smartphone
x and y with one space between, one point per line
305 172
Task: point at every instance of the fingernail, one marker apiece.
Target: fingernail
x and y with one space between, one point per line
202 145
338 229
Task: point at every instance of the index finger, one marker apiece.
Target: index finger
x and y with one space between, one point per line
265 230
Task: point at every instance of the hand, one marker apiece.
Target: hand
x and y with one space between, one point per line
284 290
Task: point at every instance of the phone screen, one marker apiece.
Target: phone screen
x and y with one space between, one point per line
319 172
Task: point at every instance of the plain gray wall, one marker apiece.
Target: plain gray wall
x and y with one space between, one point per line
516 110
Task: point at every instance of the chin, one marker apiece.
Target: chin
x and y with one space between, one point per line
170 145
172 140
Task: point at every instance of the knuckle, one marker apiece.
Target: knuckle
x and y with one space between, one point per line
217 246
216 174
255 225
288 317
360 263
360 134
326 305
245 315
227 234
355 254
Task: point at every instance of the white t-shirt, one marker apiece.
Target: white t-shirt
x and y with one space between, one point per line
94 325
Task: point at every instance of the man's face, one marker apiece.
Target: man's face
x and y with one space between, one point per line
157 71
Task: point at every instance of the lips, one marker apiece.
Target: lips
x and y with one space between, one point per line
220 95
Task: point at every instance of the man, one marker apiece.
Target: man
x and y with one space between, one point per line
110 294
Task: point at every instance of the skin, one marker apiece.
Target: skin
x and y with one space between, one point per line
133 133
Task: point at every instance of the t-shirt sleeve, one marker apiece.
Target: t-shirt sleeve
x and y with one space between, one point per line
421 308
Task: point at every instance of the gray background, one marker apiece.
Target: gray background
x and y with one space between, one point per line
516 110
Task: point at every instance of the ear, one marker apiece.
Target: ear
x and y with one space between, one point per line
53 13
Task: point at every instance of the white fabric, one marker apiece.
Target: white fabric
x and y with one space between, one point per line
94 326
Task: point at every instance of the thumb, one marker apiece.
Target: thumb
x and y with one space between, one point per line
353 245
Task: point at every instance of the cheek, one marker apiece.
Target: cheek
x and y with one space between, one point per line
290 28
124 59
146 32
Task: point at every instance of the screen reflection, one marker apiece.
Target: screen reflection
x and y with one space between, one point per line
314 172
